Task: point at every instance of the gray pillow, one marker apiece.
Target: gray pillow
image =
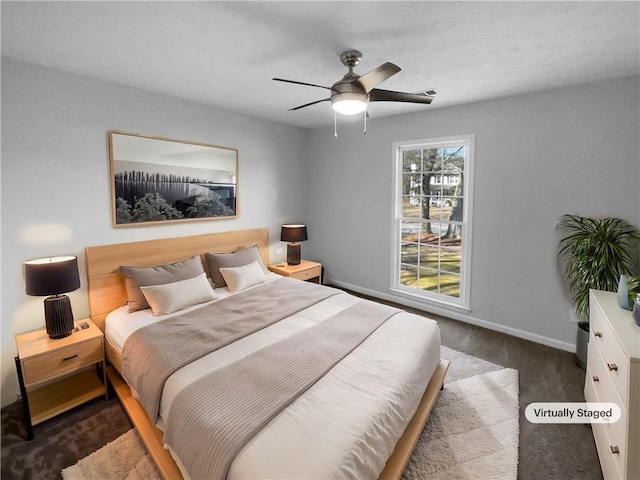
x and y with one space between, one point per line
239 258
136 277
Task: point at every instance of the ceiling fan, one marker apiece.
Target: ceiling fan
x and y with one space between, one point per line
352 94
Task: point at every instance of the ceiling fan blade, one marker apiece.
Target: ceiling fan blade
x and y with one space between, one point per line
378 95
301 83
309 104
375 77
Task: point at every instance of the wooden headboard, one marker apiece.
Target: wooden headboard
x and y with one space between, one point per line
106 283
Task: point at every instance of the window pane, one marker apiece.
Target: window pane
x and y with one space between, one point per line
412 206
429 280
411 161
410 231
429 256
412 184
409 253
429 159
409 276
450 284
451 257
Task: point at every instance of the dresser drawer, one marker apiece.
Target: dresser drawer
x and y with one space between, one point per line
615 361
63 360
307 274
608 460
599 388
598 375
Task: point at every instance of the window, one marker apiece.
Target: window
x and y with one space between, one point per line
432 221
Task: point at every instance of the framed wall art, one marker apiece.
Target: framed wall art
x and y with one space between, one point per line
158 179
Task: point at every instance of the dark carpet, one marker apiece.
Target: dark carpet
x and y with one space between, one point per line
547 451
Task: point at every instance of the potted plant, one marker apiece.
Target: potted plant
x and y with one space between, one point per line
593 254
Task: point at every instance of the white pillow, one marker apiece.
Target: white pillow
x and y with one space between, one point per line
241 278
171 297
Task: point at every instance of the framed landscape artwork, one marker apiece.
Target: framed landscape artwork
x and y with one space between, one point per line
158 179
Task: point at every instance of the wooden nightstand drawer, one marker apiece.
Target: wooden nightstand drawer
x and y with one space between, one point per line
61 361
306 270
56 375
307 274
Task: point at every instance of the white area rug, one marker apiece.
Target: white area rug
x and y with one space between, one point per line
472 433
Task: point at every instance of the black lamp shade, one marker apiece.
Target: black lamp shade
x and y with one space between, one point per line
293 234
54 276
51 276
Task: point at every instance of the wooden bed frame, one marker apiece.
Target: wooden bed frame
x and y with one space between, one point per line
107 292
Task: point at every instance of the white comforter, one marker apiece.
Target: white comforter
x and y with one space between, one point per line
347 424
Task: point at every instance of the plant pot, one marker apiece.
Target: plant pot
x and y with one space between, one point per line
582 341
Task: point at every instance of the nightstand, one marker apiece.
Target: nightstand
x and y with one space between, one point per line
306 270
57 375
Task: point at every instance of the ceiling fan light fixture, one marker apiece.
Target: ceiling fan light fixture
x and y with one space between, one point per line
349 103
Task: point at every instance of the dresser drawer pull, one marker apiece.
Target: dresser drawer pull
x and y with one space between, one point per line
595 378
598 334
70 358
614 449
612 367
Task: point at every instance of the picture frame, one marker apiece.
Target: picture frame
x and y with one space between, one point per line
157 180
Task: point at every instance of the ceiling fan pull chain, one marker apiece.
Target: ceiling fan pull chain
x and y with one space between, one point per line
364 114
335 124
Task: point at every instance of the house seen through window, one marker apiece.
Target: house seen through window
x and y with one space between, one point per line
432 222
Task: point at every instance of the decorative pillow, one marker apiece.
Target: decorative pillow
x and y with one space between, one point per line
241 278
136 277
241 257
171 297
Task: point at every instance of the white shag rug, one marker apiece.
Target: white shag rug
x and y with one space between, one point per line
472 433
125 458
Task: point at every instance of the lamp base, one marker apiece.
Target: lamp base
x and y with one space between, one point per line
293 253
58 316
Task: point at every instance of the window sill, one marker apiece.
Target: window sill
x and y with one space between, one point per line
434 302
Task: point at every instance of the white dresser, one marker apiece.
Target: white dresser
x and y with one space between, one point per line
613 375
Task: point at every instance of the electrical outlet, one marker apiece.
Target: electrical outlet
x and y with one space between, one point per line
279 251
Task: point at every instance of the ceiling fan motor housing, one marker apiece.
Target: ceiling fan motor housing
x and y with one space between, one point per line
350 93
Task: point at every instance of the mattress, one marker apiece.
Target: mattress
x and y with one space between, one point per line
344 426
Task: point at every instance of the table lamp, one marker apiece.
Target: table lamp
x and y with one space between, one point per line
54 276
294 234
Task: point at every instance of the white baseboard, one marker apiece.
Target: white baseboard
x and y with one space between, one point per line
462 317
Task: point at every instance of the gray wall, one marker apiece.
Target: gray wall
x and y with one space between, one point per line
56 187
538 156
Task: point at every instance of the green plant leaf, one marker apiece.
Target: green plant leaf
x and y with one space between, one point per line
593 254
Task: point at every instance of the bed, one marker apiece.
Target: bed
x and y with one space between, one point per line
359 420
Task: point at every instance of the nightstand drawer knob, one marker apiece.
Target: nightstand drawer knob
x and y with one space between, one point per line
70 358
598 334
595 378
612 367
614 449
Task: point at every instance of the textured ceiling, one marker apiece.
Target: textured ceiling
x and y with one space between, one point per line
226 53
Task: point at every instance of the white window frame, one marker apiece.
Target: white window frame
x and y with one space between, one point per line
464 301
